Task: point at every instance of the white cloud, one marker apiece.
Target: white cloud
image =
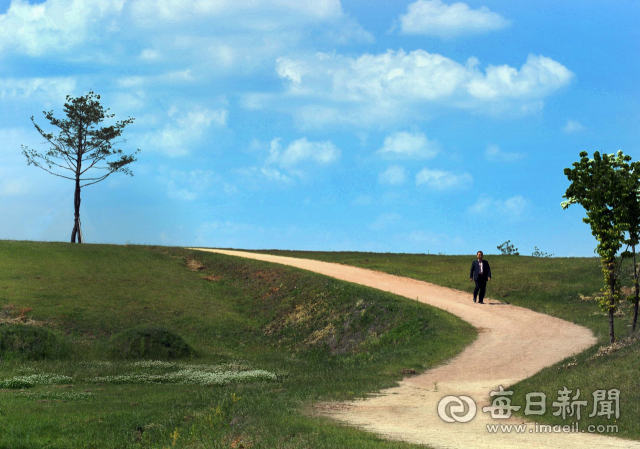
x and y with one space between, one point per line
53 89
385 220
301 150
55 25
494 153
216 37
173 77
252 174
152 13
190 185
443 180
273 174
538 77
178 76
132 81
435 18
409 146
128 101
573 127
512 207
295 161
149 54
394 175
327 88
184 130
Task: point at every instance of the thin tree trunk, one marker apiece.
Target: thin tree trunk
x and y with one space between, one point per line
635 277
73 232
76 196
612 290
76 214
612 336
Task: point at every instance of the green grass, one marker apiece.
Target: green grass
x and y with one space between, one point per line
25 342
295 336
561 287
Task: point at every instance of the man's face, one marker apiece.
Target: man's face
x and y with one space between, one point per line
479 255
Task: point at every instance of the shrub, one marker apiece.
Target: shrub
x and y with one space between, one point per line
537 253
508 250
152 343
25 342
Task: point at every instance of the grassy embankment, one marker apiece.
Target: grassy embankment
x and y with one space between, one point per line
296 337
561 287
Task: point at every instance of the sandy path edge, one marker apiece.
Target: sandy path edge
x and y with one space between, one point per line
513 343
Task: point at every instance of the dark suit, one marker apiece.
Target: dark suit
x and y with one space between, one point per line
480 278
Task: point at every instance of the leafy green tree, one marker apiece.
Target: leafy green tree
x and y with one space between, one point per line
629 173
597 185
80 147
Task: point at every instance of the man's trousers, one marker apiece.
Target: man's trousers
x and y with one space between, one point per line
481 286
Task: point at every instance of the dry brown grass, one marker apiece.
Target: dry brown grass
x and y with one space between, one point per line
194 265
10 314
212 277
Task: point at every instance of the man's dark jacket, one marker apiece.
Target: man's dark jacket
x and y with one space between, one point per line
475 270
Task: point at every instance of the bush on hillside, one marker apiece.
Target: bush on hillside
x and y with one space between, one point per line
537 253
506 249
25 342
150 343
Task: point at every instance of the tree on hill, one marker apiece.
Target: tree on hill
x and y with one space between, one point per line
538 253
80 147
598 185
507 249
629 173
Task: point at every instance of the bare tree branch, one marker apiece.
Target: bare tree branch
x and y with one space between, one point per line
100 179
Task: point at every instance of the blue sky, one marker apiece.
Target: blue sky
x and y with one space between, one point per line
426 126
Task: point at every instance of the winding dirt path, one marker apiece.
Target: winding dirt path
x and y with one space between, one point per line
513 343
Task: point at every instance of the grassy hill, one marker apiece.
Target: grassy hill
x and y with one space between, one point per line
105 346
561 287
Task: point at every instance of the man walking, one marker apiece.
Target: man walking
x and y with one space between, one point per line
480 272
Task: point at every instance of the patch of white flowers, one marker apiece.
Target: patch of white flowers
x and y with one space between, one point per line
216 368
152 364
188 376
159 364
97 364
151 372
34 379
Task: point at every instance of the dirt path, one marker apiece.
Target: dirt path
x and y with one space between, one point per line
513 343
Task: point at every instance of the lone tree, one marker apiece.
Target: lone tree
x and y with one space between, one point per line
629 173
599 186
79 147
508 250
